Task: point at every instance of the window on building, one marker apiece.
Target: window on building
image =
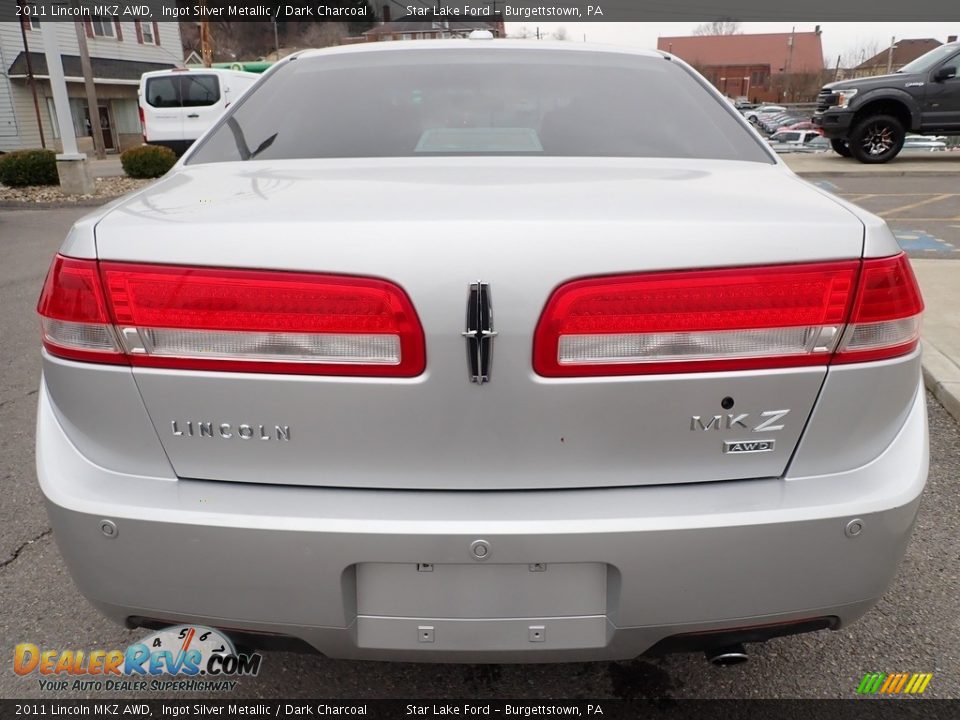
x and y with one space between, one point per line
52 119
79 118
126 116
80 112
146 32
102 28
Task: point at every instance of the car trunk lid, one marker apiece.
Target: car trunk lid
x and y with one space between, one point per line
435 228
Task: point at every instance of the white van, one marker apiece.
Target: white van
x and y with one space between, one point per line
178 105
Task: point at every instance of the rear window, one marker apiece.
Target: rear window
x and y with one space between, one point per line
163 92
484 101
182 90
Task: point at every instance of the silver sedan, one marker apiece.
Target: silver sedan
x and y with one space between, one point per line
482 350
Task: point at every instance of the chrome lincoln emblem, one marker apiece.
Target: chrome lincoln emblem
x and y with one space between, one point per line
479 332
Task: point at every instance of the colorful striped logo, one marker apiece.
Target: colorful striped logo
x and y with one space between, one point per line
894 684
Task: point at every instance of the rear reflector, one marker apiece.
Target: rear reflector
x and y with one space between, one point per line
232 320
729 319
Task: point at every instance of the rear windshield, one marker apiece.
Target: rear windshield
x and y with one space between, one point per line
182 90
489 101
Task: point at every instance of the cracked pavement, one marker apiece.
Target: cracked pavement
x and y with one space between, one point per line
913 629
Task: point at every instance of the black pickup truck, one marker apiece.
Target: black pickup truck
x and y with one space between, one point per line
869 117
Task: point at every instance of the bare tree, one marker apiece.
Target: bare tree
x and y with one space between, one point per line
560 33
321 34
859 52
719 27
522 34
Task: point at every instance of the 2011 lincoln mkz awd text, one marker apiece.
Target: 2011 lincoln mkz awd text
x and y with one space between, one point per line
483 350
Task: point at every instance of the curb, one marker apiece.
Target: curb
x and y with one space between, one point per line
27 205
876 175
942 378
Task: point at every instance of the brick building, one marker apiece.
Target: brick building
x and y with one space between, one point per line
770 67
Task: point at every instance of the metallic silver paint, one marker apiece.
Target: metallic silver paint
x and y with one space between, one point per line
577 472
792 557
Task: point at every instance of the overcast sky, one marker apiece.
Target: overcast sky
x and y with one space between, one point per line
838 37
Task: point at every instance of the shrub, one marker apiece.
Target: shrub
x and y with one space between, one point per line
147 161
29 167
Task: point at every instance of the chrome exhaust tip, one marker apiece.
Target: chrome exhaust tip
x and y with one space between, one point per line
728 655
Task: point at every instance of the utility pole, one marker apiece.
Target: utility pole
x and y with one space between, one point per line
206 51
792 41
93 107
72 167
890 55
32 80
276 40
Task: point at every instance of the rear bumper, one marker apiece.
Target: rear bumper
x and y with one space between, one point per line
834 123
657 561
178 146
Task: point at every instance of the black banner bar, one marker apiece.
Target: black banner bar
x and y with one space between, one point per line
467 10
862 709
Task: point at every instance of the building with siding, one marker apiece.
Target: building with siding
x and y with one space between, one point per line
120 52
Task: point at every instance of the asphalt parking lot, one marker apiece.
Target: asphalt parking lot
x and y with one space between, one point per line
922 210
913 629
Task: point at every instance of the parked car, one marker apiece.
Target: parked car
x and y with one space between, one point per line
378 369
772 123
817 145
921 143
753 114
786 141
794 140
803 125
178 105
869 117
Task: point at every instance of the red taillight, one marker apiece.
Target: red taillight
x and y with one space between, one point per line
246 320
729 319
885 320
73 313
143 123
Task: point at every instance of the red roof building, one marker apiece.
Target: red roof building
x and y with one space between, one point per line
764 67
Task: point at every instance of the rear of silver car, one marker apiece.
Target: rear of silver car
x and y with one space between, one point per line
479 401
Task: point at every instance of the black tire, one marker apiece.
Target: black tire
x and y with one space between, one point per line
876 139
840 147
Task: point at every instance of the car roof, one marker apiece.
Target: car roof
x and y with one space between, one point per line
204 70
491 44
